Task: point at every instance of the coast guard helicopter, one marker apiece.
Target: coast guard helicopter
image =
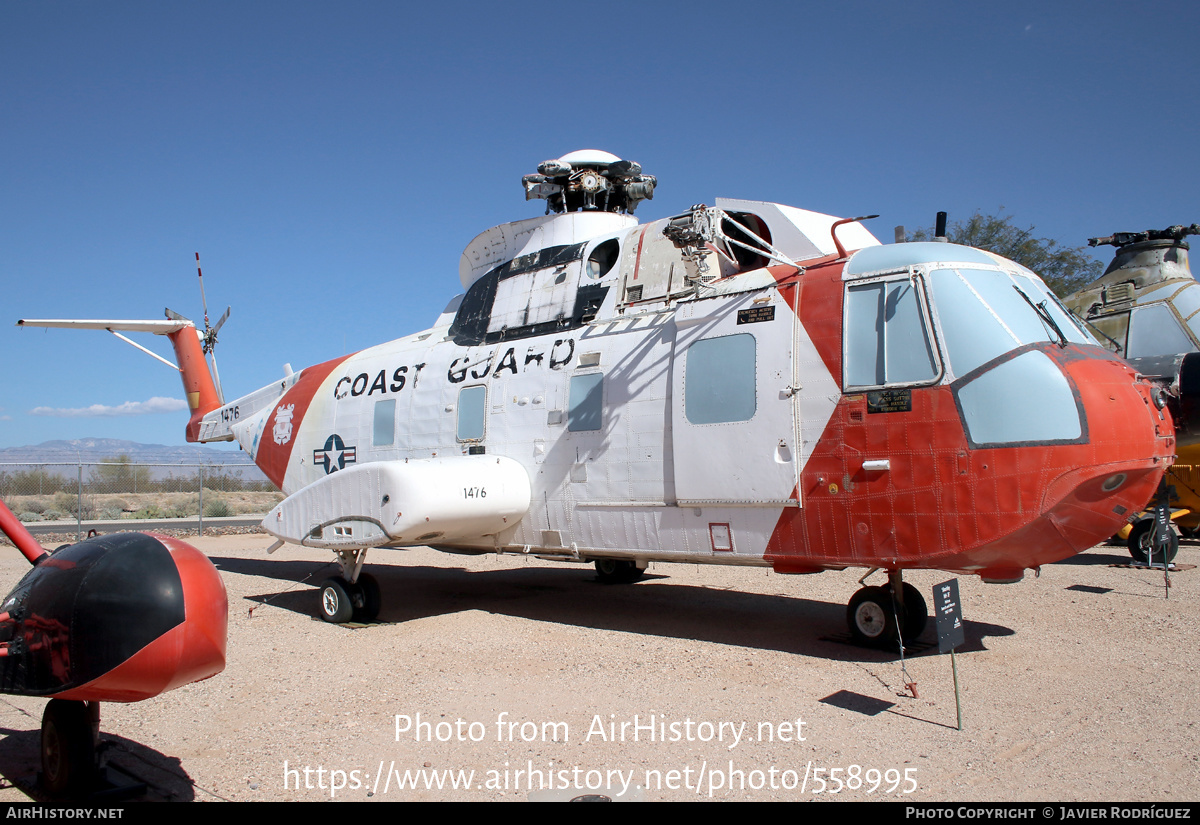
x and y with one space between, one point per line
746 384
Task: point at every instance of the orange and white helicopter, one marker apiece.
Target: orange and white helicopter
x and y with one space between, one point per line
748 384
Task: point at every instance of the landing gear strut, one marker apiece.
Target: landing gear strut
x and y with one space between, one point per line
872 613
618 571
352 596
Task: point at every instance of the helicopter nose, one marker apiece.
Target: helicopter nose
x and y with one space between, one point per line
1108 473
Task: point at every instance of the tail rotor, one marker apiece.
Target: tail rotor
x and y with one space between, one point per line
208 338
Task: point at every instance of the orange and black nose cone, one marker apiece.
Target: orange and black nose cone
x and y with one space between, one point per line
114 618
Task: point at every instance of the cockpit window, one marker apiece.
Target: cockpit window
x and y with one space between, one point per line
887 341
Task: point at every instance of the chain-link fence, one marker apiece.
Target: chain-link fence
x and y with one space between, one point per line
120 489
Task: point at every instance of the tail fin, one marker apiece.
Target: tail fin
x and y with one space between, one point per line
198 386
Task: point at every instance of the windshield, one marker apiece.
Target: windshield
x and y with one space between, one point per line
984 313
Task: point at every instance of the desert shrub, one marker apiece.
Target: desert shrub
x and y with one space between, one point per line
37 505
30 516
110 513
150 511
216 508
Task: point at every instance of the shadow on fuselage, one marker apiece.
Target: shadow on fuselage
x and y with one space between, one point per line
573 596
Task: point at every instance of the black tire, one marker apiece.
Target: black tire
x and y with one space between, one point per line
916 613
1139 543
871 618
68 754
336 606
372 601
617 571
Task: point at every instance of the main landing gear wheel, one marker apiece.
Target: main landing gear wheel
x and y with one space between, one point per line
1139 543
68 749
618 571
336 606
872 617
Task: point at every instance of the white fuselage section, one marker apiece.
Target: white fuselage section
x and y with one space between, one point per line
572 354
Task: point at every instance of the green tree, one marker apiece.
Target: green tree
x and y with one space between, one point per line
121 475
1064 269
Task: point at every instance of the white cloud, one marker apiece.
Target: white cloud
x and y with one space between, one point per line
158 404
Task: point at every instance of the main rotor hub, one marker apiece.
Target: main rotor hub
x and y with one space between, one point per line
590 181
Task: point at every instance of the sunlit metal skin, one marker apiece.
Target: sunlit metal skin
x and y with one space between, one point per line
947 505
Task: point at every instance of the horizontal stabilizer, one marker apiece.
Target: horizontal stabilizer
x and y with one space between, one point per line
157 327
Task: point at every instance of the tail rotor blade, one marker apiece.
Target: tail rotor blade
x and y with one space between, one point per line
217 377
203 300
222 320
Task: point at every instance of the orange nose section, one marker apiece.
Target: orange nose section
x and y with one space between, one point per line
202 650
189 652
1091 488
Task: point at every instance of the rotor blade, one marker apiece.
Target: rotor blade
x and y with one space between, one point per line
222 320
216 376
175 316
203 300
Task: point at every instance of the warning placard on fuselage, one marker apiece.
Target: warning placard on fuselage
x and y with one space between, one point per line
889 401
756 315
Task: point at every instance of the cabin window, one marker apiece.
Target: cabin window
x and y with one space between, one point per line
385 423
471 408
585 408
720 383
887 341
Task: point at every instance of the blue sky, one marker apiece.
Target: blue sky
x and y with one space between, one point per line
329 161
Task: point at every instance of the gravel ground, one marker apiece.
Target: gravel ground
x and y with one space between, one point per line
1078 685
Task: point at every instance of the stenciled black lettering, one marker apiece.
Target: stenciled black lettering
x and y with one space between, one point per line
556 362
530 357
452 375
338 392
398 379
355 390
380 383
417 373
486 369
508 361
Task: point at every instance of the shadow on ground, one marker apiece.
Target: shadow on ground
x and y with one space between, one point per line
574 596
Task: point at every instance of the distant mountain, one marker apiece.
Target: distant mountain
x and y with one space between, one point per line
99 449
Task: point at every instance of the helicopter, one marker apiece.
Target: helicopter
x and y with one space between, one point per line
747 383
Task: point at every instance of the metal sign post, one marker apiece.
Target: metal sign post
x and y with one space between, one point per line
948 612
